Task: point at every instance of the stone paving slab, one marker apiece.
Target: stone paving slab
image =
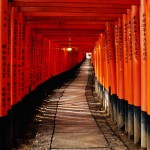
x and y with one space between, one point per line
75 120
83 149
75 129
79 140
77 117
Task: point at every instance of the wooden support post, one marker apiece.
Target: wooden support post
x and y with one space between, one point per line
148 71
111 64
125 59
143 73
130 77
136 71
5 135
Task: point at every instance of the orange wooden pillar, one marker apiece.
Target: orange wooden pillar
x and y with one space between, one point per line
57 62
33 64
101 47
49 61
148 71
9 58
62 59
130 77
14 27
111 67
19 58
104 84
105 76
121 105
98 48
14 73
119 73
115 105
58 57
32 61
71 58
143 73
36 64
4 80
136 71
44 59
103 64
65 59
19 71
43 47
96 68
39 57
23 56
125 60
26 58
3 60
54 60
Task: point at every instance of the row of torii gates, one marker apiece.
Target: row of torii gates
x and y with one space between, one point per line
40 40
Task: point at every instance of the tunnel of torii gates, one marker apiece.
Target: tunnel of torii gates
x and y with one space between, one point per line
41 39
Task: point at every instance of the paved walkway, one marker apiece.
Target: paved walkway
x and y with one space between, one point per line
75 128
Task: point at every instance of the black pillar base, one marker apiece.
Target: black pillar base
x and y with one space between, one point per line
121 114
130 121
143 129
5 134
114 107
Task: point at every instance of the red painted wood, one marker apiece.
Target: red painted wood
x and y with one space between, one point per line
120 62
14 56
136 55
19 57
125 54
143 55
130 58
111 57
4 103
86 1
69 4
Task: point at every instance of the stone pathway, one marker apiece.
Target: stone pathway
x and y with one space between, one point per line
75 128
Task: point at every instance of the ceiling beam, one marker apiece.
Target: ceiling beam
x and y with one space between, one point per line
61 26
68 22
137 2
72 37
101 18
70 5
63 14
75 18
73 10
68 31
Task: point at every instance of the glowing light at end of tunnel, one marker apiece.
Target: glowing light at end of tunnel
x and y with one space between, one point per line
88 55
69 49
